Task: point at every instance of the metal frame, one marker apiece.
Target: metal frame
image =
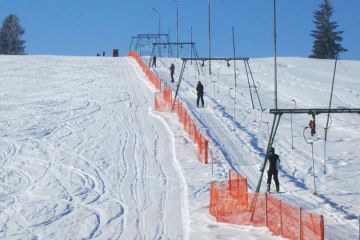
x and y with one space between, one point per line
155 37
227 59
277 115
169 44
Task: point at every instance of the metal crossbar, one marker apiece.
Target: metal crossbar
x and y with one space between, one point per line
175 43
315 110
152 34
155 45
216 59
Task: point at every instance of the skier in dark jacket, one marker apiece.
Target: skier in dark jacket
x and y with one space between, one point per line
154 61
172 70
274 161
200 94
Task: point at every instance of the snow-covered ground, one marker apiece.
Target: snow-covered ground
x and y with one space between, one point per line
308 83
84 156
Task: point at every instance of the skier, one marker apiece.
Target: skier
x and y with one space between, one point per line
154 61
274 161
172 69
200 94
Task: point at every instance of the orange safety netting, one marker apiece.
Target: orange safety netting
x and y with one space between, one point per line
191 129
230 202
163 103
150 75
163 100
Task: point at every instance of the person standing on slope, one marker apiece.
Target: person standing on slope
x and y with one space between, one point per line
154 61
172 70
200 94
274 162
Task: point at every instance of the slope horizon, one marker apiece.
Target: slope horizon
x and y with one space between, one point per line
77 31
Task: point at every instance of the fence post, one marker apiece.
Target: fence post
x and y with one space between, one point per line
237 181
281 222
266 209
300 224
322 227
206 151
230 180
247 195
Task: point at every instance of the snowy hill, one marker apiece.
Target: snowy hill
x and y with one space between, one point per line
83 155
306 83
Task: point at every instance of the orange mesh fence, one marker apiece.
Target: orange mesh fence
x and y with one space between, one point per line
290 217
149 74
191 129
273 215
310 226
230 202
202 153
163 100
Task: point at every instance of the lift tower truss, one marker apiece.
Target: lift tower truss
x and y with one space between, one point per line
144 42
248 71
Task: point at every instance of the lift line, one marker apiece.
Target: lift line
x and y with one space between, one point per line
227 59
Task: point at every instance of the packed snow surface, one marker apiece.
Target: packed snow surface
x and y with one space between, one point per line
84 156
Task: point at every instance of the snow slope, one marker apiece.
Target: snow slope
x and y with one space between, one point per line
83 156
239 141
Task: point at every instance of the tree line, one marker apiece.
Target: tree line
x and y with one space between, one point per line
10 36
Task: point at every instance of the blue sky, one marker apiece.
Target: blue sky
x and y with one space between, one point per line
85 27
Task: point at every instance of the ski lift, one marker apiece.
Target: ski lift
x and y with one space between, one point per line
312 153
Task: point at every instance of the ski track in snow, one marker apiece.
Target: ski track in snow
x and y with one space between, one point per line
82 156
78 157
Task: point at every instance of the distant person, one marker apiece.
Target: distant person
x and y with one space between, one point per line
103 53
97 54
172 70
154 61
200 94
312 125
274 162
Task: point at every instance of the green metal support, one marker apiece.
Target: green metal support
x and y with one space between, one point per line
271 141
274 128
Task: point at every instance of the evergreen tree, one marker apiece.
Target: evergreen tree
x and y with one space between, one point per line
10 36
327 41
